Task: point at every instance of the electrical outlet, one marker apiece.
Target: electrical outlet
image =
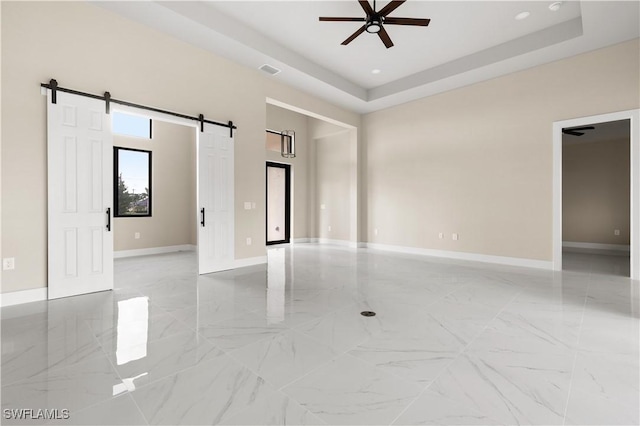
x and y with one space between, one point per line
441 235
616 232
253 205
247 205
136 235
329 228
375 231
248 241
8 263
322 207
454 237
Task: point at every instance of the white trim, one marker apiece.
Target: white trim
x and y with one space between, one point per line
634 117
153 250
300 240
250 261
596 246
474 257
343 243
25 296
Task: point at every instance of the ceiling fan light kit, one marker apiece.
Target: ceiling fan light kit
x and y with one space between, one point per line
374 21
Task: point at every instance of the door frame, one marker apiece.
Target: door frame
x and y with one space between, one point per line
287 203
634 122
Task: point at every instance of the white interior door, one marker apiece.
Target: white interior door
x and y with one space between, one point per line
215 200
80 185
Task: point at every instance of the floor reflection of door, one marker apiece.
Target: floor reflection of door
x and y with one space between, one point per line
278 203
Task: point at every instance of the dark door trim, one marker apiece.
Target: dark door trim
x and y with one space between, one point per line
287 202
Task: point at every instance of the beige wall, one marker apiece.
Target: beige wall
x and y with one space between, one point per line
282 119
333 173
88 48
173 190
595 192
478 160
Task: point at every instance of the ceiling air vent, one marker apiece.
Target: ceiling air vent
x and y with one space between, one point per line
269 69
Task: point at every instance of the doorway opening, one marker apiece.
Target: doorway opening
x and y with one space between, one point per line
596 198
278 211
155 187
589 203
205 183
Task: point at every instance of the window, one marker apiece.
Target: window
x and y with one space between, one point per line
132 182
273 141
131 125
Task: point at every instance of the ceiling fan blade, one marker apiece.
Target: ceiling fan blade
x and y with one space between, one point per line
384 36
407 21
582 128
354 35
340 19
366 7
390 7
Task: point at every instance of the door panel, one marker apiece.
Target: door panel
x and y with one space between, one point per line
80 187
216 200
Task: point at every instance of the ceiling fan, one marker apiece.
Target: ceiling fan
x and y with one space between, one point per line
374 21
577 131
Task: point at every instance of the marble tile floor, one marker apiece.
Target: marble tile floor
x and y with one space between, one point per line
453 342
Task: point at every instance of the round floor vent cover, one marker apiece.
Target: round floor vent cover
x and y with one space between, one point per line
368 313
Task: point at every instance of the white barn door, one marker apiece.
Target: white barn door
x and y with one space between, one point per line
80 185
215 200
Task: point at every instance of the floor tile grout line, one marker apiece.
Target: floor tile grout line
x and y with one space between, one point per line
456 358
575 357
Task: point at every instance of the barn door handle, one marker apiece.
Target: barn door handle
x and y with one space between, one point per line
108 219
202 216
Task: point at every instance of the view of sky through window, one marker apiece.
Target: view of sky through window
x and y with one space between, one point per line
131 125
134 167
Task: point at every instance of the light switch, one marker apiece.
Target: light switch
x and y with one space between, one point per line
322 207
616 232
253 205
455 237
441 235
247 205
136 235
248 241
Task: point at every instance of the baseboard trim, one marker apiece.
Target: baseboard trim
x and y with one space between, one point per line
153 250
300 240
596 246
250 261
342 243
24 296
474 257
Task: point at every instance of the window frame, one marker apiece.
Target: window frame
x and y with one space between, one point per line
116 170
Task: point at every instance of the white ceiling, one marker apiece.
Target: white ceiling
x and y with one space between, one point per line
466 41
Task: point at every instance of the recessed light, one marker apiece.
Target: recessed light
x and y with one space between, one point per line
522 15
555 6
376 71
